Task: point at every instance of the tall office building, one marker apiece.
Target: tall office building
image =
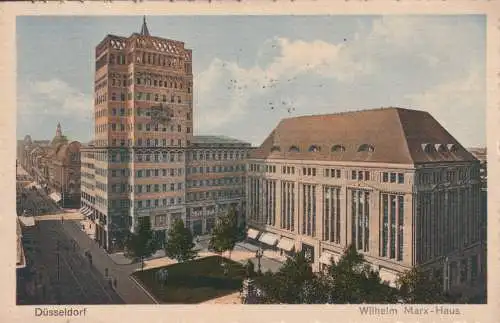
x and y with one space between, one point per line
392 182
137 165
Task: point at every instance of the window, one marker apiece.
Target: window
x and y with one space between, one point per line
393 177
314 148
428 148
401 178
294 149
385 177
338 148
366 148
275 148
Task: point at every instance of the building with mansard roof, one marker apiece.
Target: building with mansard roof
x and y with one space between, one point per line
393 182
144 160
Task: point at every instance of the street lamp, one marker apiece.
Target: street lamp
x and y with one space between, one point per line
446 275
258 254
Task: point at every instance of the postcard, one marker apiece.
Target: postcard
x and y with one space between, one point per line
228 162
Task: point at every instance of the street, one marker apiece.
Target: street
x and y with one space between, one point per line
35 202
63 275
129 291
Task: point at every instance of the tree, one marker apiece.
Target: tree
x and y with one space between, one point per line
418 287
352 281
225 233
250 269
180 244
140 244
294 283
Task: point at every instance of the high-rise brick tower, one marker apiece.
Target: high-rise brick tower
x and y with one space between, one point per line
143 124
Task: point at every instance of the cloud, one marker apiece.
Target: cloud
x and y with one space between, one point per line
54 97
227 91
453 101
418 53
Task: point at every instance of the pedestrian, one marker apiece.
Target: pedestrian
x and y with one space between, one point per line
106 272
115 282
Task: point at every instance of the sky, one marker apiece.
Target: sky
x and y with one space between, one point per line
252 71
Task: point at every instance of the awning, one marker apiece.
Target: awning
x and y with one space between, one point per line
31 184
84 209
89 212
269 238
326 257
27 221
252 233
388 276
286 244
55 196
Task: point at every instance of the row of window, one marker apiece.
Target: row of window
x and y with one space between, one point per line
84 175
148 204
127 112
160 60
215 182
121 127
141 143
216 155
88 197
213 195
215 169
270 169
330 172
156 188
393 177
100 98
88 186
448 175
359 175
124 156
165 79
158 83
143 173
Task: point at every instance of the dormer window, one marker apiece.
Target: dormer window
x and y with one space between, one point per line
441 148
275 148
338 148
294 149
367 148
452 147
314 149
428 148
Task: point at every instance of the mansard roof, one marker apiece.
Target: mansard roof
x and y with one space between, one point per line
385 135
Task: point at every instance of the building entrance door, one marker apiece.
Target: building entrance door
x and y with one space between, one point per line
197 227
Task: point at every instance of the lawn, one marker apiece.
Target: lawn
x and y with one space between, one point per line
194 281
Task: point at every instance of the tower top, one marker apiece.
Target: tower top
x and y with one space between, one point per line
144 29
58 130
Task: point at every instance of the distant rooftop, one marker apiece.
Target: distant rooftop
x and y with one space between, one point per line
480 153
217 140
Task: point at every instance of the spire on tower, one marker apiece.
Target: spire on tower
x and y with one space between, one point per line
144 29
58 130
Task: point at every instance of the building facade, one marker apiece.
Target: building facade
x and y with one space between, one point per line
143 134
392 182
54 166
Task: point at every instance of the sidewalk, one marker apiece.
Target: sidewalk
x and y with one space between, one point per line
128 290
